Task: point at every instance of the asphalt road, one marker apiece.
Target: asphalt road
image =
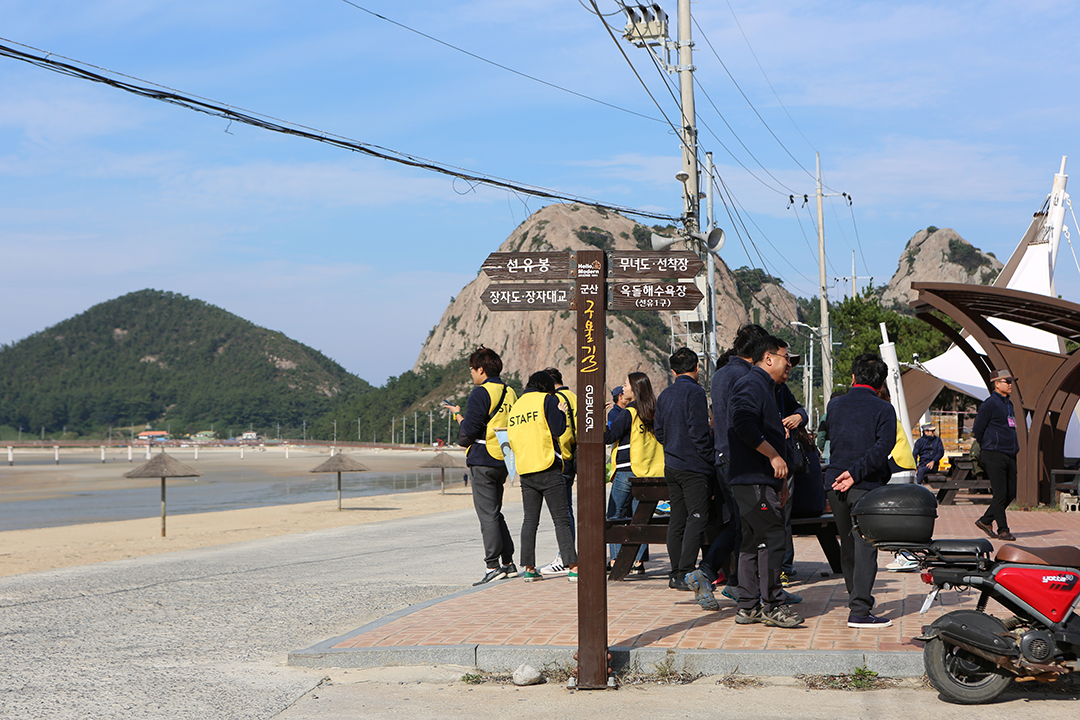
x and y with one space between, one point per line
205 633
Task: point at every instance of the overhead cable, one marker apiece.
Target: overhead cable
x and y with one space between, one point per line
499 65
146 89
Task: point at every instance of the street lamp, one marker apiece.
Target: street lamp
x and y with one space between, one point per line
808 371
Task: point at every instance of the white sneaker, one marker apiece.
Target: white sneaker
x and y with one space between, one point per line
902 563
555 567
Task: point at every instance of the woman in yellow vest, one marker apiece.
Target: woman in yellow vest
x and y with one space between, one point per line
536 422
633 428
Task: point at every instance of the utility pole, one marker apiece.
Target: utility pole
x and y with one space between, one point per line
689 120
854 277
710 268
825 333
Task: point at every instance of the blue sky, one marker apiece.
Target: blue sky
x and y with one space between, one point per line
954 115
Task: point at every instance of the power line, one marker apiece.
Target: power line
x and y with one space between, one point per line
210 107
498 65
747 99
767 81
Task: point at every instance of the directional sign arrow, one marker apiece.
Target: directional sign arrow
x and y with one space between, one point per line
645 264
654 296
528 266
538 296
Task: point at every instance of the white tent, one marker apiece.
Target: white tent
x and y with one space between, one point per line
1030 269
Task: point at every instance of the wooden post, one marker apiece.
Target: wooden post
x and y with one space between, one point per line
56 453
162 507
102 454
10 455
338 490
591 298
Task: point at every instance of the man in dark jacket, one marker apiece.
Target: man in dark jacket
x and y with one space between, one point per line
928 451
681 425
995 429
757 474
862 433
488 407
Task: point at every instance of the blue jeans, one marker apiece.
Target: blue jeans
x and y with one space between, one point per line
621 504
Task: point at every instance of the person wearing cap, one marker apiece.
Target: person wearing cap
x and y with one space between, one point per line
995 429
928 451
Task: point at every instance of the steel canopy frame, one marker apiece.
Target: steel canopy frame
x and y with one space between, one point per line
1047 388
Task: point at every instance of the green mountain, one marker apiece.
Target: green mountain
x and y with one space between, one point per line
154 357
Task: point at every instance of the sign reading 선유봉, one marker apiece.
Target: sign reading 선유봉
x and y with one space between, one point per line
527 266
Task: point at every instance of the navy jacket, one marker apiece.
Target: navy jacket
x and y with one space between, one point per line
862 433
618 434
754 418
722 382
474 424
992 428
928 450
681 425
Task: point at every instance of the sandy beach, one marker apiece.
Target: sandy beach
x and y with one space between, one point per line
33 550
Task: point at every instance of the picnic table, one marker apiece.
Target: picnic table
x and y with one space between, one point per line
647 528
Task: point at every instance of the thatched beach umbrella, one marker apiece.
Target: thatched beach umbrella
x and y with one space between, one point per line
162 466
443 461
340 463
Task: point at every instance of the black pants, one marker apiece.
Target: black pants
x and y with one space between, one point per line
858 558
688 493
1001 469
762 551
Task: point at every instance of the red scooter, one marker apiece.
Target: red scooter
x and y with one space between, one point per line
970 655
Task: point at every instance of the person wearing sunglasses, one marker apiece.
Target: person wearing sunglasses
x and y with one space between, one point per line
995 429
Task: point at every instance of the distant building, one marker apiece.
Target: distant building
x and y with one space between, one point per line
153 436
204 436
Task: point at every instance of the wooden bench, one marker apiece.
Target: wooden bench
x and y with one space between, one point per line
1057 485
961 477
645 528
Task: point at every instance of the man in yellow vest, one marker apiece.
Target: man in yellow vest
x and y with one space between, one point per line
568 447
488 408
536 423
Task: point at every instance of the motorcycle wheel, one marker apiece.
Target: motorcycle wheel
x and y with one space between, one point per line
961 677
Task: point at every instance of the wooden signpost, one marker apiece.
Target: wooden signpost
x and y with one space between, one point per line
580 282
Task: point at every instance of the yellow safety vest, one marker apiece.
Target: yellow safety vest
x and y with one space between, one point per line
901 452
568 440
646 452
498 417
529 434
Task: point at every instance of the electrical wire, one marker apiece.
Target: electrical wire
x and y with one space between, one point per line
767 81
209 107
499 65
747 99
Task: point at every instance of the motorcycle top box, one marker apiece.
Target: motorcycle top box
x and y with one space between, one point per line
896 514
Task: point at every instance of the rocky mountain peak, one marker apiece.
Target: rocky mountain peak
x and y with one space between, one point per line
938 255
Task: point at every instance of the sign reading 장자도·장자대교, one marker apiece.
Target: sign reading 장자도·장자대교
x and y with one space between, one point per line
514 296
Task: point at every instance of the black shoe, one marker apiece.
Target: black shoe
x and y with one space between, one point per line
1006 536
510 570
492 574
638 569
985 527
678 583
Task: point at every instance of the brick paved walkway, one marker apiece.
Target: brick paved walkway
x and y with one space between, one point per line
644 613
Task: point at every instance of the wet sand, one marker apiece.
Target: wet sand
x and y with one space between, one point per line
24 551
